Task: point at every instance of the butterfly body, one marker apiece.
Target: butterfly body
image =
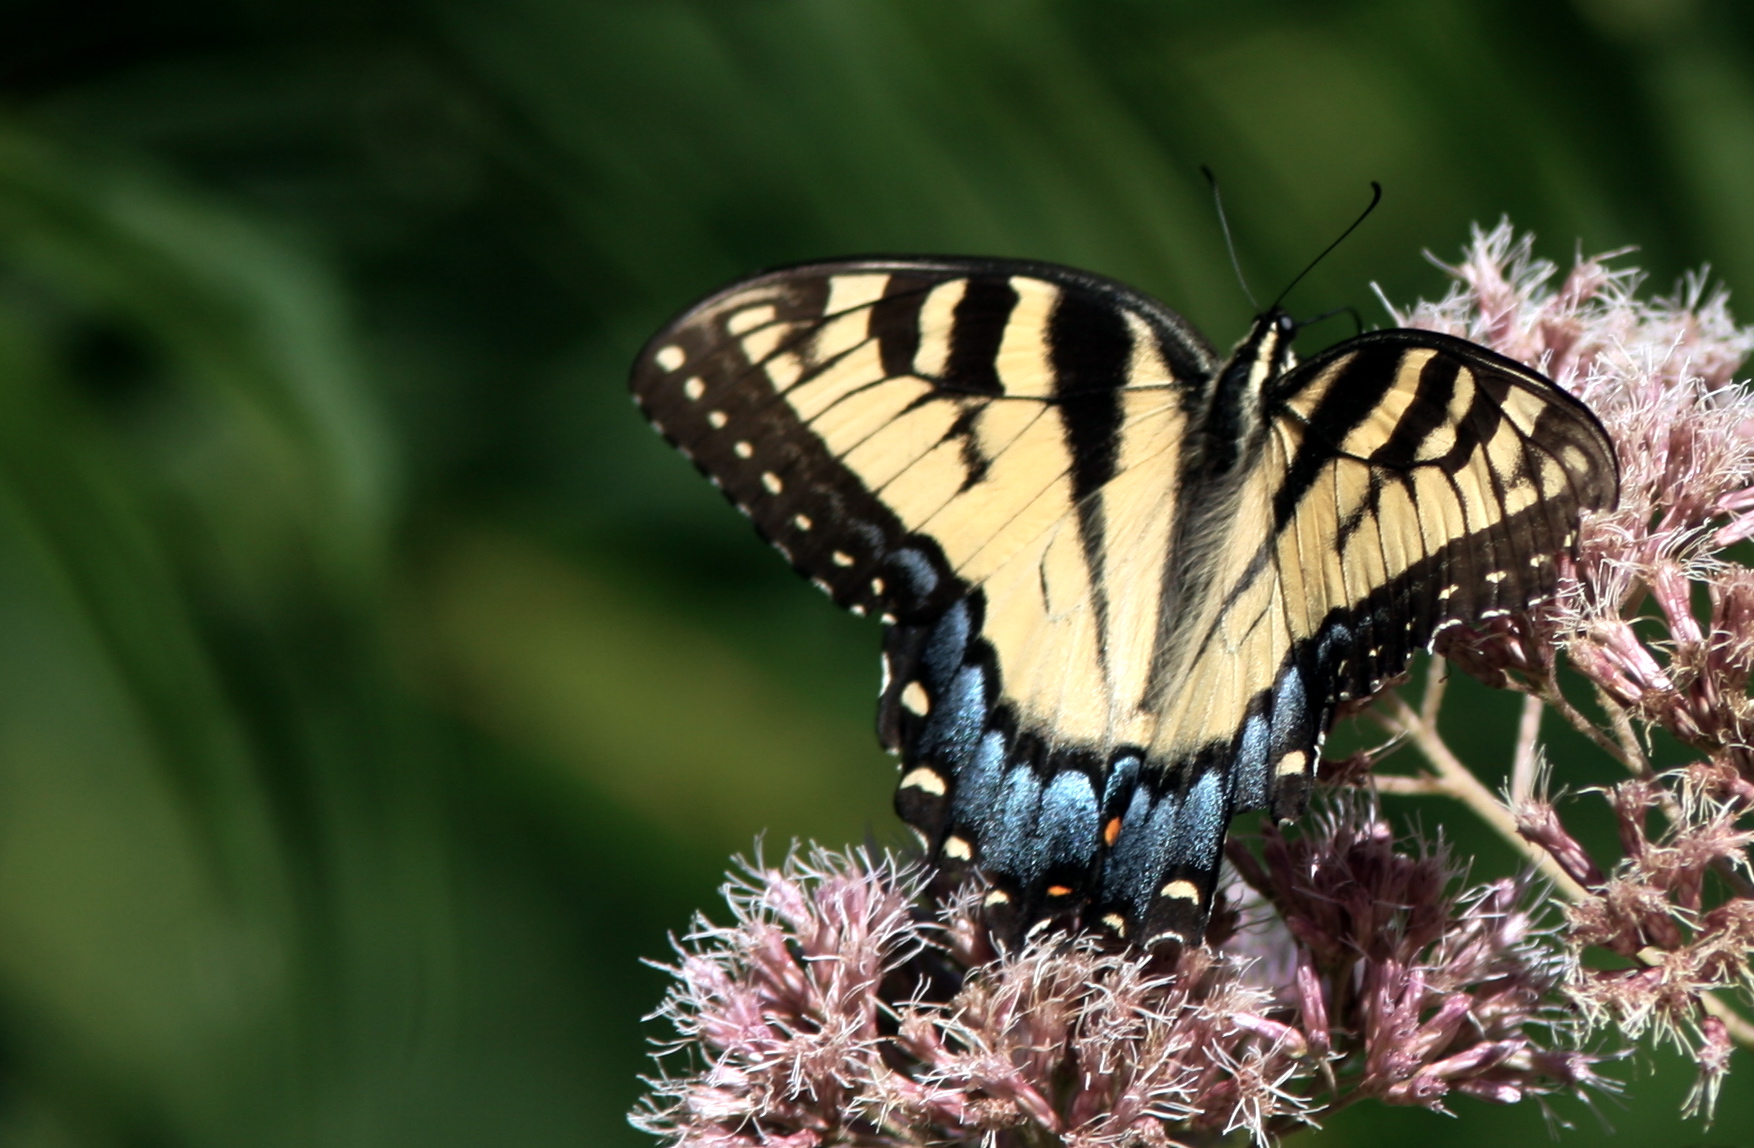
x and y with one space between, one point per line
1125 583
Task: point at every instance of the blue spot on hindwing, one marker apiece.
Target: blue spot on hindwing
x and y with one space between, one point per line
1250 765
1007 846
917 569
977 786
1164 816
1290 714
957 719
947 646
1130 874
1199 826
1122 776
1069 817
1335 640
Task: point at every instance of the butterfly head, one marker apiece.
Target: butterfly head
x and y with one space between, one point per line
1244 384
1264 354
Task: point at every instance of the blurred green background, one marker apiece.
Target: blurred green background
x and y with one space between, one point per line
376 690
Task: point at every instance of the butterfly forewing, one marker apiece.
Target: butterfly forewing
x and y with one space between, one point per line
1101 639
1454 475
885 422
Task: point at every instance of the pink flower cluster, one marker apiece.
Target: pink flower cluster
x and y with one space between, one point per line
1657 619
1431 991
839 1007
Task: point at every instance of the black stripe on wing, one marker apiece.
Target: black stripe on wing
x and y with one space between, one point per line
981 316
1091 351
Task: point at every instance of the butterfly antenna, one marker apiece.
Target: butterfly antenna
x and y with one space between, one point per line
1229 243
1375 198
1357 319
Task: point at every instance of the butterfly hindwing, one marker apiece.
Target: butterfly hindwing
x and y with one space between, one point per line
1125 586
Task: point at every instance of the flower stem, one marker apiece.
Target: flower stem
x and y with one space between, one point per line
1401 786
1626 754
1523 762
1455 780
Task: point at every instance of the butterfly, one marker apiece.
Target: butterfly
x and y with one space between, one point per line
1125 583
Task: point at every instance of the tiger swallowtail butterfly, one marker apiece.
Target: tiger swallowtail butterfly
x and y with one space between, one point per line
1124 583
